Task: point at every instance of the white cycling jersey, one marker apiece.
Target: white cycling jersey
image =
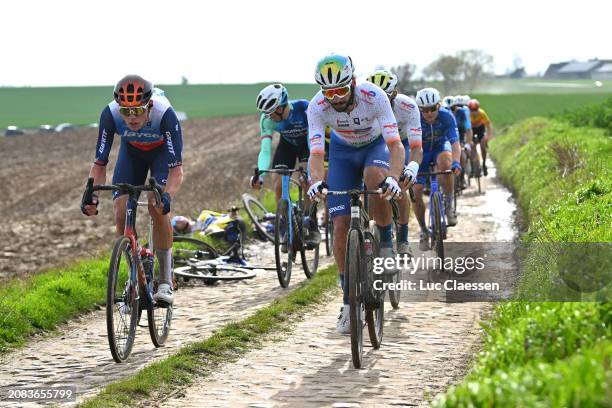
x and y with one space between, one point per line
408 120
371 117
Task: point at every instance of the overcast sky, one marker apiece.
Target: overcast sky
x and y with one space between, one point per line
63 42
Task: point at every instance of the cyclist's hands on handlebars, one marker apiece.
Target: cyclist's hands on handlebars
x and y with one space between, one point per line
89 207
390 188
409 175
456 167
316 191
256 182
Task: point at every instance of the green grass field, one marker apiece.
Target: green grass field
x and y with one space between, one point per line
32 107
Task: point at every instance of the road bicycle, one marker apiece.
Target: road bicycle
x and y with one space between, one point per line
133 277
436 227
292 226
366 303
475 169
196 259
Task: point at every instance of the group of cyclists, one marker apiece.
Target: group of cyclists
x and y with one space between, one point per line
350 134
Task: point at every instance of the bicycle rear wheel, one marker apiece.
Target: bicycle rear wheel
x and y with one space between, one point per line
186 248
122 303
354 273
257 212
212 273
375 308
310 257
329 231
159 317
283 260
438 233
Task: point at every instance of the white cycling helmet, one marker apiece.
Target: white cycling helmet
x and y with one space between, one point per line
384 79
334 71
427 97
465 99
457 101
271 97
448 101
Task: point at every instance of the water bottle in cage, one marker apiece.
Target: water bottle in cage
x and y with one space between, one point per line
146 255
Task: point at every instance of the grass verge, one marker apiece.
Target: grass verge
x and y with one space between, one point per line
549 353
40 303
228 344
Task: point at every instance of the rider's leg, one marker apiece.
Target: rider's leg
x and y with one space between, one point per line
119 206
404 210
447 182
345 172
380 209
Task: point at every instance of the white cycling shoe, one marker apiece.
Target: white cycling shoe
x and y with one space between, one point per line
343 326
164 294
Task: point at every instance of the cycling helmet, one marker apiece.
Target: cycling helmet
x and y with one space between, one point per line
474 105
384 79
334 71
448 101
271 97
427 97
133 90
177 219
462 100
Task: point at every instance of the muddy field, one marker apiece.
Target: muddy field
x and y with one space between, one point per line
43 176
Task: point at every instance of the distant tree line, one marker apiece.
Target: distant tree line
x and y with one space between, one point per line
461 72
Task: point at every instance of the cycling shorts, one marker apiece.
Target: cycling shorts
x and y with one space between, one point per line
479 133
346 166
133 165
431 157
286 153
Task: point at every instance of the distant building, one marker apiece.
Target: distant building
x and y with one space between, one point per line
603 72
580 70
551 71
517 73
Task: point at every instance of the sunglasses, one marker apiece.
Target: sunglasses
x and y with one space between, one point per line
431 109
339 92
278 111
133 110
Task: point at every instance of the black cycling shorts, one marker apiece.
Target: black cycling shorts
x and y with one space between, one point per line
479 133
286 153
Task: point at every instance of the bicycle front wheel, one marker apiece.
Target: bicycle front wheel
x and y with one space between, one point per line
438 225
212 273
375 308
158 316
122 301
310 257
354 273
257 212
283 248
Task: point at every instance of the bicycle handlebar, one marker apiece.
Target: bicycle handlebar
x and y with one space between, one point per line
125 188
284 171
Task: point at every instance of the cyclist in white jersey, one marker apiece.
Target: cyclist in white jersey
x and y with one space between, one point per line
409 126
364 124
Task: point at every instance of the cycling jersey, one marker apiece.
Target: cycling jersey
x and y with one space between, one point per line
293 131
408 120
444 129
479 117
163 128
463 122
371 116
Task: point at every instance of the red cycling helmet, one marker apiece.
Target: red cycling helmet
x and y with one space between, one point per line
473 104
133 90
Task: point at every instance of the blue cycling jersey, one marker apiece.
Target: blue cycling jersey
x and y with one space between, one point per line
463 120
444 129
294 129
